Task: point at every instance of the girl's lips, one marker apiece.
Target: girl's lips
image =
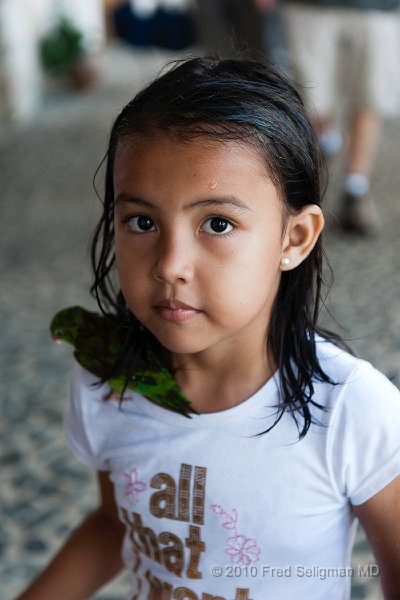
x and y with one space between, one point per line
176 315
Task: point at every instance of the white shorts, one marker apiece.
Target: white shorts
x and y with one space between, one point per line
342 51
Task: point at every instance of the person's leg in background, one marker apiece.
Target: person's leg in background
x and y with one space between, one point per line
226 26
214 31
274 43
375 37
358 212
315 38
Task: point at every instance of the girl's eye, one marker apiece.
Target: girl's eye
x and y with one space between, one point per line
140 224
218 225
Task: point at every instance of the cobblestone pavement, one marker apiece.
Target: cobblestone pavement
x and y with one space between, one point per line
48 209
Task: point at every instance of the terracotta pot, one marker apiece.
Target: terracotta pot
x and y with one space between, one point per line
82 75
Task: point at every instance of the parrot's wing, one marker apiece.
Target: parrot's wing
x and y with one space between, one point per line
157 383
98 341
162 389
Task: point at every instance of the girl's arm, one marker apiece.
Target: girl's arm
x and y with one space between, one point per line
88 559
380 517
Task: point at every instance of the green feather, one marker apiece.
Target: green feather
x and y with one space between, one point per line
98 340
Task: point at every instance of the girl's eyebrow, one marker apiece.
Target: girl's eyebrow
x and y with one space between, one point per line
231 201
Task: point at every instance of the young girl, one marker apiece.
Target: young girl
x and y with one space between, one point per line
212 218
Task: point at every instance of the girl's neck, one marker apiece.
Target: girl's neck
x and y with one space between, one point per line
222 385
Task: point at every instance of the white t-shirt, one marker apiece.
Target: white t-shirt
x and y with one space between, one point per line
214 512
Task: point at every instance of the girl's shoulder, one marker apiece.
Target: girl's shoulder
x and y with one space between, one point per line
93 419
362 423
358 389
344 367
359 393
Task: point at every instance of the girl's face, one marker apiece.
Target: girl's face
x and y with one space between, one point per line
198 223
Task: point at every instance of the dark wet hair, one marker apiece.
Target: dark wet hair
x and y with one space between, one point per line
250 102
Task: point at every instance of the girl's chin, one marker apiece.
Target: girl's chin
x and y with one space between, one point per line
177 347
180 342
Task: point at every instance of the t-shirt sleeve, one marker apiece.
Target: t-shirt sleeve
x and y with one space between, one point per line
81 417
365 434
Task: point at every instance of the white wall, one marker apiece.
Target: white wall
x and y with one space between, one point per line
22 24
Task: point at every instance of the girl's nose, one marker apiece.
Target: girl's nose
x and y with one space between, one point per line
174 260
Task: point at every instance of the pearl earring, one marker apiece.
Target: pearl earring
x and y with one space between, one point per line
285 261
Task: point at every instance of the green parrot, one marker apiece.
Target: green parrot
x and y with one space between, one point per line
98 340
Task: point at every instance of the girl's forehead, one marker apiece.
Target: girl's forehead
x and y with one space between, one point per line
210 149
168 172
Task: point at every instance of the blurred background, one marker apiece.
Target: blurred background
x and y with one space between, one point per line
66 70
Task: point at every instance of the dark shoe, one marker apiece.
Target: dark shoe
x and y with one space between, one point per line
359 215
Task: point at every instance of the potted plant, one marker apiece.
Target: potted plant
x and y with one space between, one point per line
62 51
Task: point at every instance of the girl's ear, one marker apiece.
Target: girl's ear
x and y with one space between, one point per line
301 234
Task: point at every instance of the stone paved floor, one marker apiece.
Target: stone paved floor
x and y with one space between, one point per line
48 209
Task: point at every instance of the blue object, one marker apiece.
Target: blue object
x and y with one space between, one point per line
167 29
